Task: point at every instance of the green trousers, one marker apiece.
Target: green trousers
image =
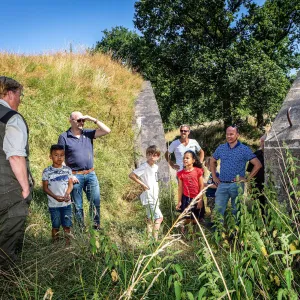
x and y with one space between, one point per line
13 213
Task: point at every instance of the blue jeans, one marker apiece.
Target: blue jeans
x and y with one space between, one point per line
90 185
223 193
61 216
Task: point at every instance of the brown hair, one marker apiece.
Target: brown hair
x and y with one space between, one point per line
8 84
185 125
153 149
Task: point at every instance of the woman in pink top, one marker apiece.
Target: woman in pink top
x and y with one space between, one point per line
190 184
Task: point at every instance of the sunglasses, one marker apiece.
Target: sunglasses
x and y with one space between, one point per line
184 130
80 120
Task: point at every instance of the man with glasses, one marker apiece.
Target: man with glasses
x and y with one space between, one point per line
234 156
15 176
79 156
180 146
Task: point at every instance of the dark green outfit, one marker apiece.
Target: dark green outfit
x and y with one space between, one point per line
13 207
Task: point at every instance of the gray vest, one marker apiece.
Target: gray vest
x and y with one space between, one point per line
8 180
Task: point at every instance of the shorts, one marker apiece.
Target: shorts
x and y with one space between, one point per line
185 202
61 216
153 211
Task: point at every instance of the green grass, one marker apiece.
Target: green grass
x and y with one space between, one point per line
257 263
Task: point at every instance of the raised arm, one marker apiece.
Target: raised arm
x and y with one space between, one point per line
102 128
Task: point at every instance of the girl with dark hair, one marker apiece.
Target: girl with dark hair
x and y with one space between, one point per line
190 184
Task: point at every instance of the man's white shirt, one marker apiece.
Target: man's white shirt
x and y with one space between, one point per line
179 149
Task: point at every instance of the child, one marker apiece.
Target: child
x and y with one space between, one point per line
58 184
146 176
211 191
190 183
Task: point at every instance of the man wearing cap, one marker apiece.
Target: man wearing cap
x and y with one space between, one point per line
234 156
79 156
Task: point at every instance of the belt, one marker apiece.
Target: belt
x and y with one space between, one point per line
223 181
84 172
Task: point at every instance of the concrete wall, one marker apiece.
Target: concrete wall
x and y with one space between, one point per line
282 134
149 130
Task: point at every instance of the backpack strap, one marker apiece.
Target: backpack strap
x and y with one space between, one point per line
7 116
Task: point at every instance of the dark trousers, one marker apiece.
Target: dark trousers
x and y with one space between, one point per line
13 213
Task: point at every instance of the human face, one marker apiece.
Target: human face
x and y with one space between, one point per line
232 135
76 121
188 160
58 157
15 98
184 132
152 158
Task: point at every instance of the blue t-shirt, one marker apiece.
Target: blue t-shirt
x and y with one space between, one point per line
233 160
79 152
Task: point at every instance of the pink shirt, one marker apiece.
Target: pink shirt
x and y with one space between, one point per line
190 181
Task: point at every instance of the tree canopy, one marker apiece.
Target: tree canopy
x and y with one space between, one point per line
212 59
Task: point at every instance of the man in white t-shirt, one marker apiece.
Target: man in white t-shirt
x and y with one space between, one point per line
180 146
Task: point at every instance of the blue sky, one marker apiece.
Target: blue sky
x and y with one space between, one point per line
32 27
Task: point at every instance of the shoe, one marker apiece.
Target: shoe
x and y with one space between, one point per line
97 227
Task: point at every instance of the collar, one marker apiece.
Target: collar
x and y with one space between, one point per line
237 144
69 133
4 103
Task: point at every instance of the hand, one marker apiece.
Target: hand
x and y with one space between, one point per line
176 167
145 188
67 197
241 179
216 180
89 118
75 179
25 193
60 198
200 204
178 205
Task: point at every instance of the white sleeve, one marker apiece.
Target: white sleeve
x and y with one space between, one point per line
172 147
197 146
140 170
15 138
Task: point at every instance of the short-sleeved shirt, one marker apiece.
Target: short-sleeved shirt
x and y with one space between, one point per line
190 181
15 139
179 149
233 160
79 152
149 176
58 180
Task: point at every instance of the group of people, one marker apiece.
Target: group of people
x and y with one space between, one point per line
72 173
189 159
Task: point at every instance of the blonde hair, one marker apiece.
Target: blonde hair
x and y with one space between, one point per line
8 84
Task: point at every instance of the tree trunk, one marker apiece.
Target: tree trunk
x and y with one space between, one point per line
260 119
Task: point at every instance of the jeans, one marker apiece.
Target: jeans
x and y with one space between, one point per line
61 216
90 185
223 193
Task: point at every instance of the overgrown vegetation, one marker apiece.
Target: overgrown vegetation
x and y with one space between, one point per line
259 259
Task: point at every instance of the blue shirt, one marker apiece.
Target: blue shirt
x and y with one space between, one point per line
79 152
233 160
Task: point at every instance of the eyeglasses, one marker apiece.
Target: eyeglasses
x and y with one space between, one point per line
181 130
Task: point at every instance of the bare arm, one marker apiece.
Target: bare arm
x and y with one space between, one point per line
47 191
179 194
69 190
201 155
256 166
171 164
19 168
102 128
213 170
135 178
